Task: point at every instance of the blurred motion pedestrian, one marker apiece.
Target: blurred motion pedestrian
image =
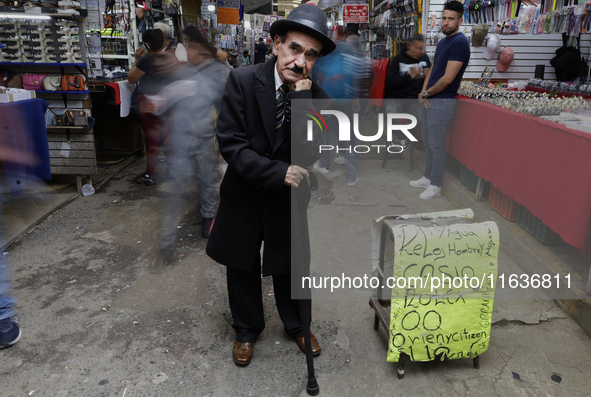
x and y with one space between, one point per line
345 74
10 332
404 82
196 96
153 69
24 160
171 43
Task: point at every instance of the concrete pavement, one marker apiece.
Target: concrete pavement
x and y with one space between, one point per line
100 317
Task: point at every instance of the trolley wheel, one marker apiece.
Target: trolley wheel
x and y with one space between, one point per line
477 362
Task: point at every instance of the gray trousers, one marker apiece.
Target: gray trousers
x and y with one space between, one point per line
202 167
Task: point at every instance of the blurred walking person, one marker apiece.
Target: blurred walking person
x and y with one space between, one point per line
171 44
153 69
196 95
345 74
24 161
404 82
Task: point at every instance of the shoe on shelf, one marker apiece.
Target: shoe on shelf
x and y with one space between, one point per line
10 333
320 169
355 182
206 227
340 160
423 182
430 193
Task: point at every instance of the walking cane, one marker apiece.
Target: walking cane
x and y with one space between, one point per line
312 387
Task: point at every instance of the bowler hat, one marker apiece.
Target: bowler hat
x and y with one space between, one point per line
308 19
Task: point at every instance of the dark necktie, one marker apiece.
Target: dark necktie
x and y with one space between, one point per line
279 102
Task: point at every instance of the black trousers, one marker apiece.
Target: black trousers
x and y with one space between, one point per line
246 303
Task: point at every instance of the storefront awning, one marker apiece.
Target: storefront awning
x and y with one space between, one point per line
258 6
323 4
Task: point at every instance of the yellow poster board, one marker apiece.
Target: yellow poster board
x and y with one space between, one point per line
443 290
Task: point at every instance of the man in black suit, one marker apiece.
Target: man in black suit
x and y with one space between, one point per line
257 136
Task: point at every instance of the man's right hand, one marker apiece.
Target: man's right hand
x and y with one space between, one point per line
295 175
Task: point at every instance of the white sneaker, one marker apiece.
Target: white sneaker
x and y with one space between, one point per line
340 160
423 182
430 193
320 169
355 182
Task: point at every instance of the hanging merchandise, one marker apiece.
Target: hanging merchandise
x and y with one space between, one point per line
493 43
549 17
505 59
478 34
485 77
395 26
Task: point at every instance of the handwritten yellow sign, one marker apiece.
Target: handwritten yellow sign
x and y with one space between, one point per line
443 290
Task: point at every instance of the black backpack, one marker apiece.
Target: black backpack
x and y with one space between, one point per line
567 63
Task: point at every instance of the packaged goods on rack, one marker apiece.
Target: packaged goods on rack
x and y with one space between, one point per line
40 41
394 24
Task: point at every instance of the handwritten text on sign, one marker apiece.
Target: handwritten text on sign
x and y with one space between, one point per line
454 319
358 13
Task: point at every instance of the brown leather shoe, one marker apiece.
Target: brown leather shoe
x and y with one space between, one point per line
315 346
242 352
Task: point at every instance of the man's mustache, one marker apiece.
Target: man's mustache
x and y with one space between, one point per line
297 69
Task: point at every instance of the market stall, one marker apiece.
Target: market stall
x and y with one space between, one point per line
541 164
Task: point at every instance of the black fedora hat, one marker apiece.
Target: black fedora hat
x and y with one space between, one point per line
308 19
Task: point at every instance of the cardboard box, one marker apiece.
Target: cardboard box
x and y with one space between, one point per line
16 94
22 95
6 97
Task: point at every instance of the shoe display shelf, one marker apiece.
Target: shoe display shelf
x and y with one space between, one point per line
43 39
503 204
536 227
54 45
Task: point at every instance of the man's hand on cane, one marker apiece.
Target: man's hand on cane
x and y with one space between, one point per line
295 175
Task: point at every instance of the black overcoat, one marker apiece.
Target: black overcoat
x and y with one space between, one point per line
254 201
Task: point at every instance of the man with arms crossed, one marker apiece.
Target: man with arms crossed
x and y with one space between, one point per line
439 96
